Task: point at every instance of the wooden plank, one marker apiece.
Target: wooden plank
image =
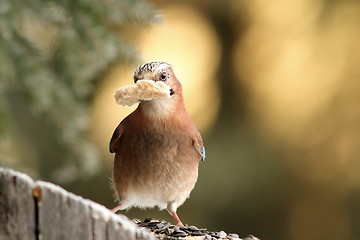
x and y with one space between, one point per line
17 208
39 210
109 226
99 220
62 215
120 225
143 234
116 230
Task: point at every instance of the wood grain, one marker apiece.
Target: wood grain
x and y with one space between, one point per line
42 210
17 211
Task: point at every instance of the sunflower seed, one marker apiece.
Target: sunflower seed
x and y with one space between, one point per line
233 236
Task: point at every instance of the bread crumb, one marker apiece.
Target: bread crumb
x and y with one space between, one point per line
143 90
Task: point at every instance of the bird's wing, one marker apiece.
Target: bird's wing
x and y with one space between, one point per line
115 138
199 145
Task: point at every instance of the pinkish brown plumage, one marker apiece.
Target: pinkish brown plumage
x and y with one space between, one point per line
157 149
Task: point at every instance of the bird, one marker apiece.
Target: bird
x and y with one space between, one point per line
157 149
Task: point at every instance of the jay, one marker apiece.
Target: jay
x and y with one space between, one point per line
157 149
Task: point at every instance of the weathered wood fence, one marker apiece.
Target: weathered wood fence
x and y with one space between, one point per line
34 210
37 210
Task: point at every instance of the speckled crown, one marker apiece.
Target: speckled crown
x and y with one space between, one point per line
148 67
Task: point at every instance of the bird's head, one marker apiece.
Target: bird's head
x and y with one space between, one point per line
160 71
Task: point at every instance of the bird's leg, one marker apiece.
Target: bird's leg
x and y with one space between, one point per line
177 219
117 208
171 207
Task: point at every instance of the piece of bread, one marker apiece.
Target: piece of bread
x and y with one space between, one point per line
142 90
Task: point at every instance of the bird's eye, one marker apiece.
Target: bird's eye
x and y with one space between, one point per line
163 76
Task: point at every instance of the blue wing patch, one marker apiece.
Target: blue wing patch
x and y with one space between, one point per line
202 152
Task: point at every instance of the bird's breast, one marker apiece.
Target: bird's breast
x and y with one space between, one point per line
153 143
155 157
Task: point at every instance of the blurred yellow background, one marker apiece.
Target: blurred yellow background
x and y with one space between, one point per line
274 88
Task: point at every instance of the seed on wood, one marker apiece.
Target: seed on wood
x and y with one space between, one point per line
168 231
136 220
221 234
193 228
179 234
142 224
149 219
198 233
164 227
154 223
233 236
250 237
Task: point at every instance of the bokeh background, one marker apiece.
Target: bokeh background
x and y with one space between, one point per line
273 86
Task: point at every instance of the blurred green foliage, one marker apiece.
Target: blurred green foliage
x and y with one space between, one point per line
52 53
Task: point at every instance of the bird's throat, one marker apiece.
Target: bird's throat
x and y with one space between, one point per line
159 108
